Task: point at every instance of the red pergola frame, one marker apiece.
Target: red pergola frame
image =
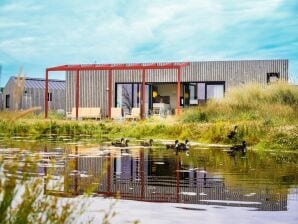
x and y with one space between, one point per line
110 68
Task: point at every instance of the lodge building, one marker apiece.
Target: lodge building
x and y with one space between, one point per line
170 86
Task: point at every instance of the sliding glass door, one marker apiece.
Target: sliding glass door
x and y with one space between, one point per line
128 95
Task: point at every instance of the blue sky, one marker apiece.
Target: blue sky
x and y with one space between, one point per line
40 34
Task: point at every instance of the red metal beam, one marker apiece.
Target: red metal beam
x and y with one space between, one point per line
183 64
110 93
178 90
77 93
143 94
120 65
58 68
117 67
46 107
152 64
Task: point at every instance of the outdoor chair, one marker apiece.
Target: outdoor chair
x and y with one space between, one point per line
116 113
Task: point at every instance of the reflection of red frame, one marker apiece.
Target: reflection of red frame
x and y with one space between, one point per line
110 68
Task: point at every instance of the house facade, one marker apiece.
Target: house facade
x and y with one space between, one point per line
170 86
32 94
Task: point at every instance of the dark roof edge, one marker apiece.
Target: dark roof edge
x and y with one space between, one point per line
41 79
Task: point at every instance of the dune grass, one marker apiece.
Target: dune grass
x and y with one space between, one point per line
266 117
276 103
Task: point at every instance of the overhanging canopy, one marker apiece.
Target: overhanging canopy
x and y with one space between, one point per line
110 68
118 66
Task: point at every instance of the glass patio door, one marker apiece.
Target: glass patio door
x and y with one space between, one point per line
128 95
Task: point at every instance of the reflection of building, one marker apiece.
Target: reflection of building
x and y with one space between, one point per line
173 85
33 94
146 178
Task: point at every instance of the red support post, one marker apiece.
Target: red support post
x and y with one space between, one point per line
178 90
143 94
110 93
77 93
46 107
178 179
76 181
142 174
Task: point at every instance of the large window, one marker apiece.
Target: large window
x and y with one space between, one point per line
196 93
129 96
215 91
201 91
125 96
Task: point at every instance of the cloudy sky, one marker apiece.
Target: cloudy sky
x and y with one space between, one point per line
39 34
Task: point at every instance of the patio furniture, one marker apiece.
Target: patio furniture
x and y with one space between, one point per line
161 109
85 112
116 113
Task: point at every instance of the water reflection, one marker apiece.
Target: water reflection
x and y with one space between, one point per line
204 176
140 174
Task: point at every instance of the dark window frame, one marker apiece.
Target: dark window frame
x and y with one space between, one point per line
50 97
140 89
272 74
206 84
181 97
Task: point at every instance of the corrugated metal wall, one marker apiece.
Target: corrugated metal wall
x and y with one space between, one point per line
8 90
34 97
234 73
93 84
93 90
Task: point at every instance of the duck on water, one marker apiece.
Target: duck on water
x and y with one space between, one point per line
240 148
183 146
122 143
147 142
179 146
172 146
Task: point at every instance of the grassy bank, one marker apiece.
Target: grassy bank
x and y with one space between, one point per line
266 117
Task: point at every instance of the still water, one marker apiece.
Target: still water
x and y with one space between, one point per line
263 181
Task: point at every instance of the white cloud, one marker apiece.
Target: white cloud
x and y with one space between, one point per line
60 32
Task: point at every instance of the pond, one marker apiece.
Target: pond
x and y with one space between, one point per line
193 181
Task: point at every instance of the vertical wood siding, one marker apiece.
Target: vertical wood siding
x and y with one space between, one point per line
92 87
93 84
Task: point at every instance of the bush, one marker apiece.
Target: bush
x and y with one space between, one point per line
194 115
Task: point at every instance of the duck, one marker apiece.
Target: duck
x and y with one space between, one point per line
172 146
117 142
122 143
182 146
240 148
147 142
232 134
